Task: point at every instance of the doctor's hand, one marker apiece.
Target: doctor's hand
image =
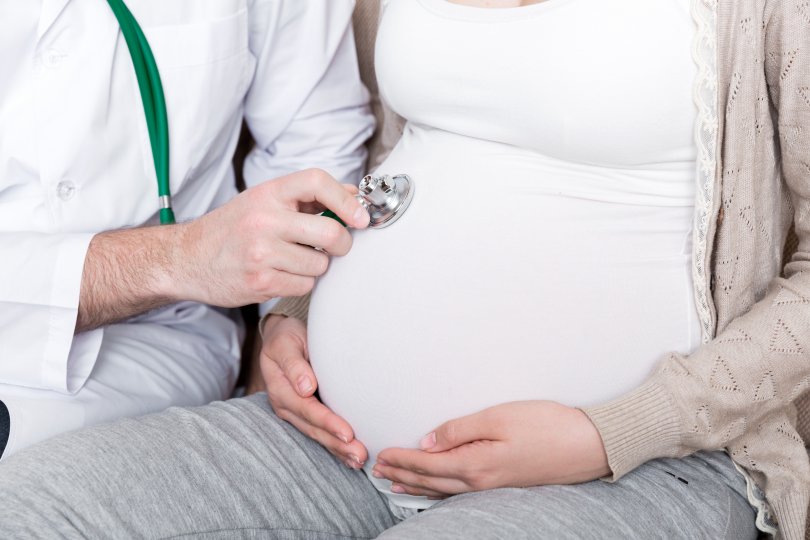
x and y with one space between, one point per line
257 246
519 444
291 386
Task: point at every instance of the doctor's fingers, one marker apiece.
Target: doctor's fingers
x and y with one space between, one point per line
267 284
304 188
316 231
317 208
300 260
311 417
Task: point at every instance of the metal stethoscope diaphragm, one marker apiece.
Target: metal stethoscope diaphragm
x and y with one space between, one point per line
385 197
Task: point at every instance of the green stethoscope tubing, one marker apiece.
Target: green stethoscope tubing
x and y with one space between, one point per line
154 102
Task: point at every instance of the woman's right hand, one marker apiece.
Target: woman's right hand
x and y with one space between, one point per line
291 386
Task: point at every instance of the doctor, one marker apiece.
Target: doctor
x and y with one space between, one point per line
103 313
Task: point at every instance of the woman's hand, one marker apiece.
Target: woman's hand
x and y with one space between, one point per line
291 386
520 444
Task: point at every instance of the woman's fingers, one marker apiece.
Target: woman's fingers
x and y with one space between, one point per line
313 418
413 483
475 427
447 464
290 386
289 353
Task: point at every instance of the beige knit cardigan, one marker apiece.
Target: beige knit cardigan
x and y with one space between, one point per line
745 388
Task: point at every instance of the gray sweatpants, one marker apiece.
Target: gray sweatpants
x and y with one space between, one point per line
234 470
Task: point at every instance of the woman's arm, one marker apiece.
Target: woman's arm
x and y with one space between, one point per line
747 378
739 391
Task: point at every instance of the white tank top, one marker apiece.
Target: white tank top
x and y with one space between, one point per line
546 254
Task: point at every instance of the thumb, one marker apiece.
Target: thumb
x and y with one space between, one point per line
456 433
288 351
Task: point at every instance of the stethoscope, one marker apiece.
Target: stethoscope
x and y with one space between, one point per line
385 197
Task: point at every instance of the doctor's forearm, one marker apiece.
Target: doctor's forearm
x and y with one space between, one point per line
246 251
126 273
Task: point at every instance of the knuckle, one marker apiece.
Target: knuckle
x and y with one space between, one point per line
317 177
468 472
335 451
350 204
476 483
321 264
264 283
306 414
449 432
255 254
281 412
287 363
303 286
321 176
312 433
480 480
426 482
331 233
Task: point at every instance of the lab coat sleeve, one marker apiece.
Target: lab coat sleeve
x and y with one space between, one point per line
307 106
40 281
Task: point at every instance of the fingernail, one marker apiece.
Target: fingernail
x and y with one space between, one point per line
360 215
428 441
304 384
376 474
397 489
350 464
342 437
356 459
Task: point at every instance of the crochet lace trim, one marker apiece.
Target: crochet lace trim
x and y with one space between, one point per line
704 51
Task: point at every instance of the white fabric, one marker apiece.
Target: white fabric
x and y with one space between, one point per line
75 159
546 254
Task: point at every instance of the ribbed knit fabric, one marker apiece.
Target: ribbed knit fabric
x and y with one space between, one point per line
642 423
790 511
746 389
296 307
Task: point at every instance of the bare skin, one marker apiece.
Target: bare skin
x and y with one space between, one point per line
250 250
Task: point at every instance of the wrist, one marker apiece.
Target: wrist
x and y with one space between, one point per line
172 280
268 322
597 465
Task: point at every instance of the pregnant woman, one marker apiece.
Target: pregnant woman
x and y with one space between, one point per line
546 254
588 284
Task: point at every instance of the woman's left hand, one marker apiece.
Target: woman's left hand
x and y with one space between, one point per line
520 444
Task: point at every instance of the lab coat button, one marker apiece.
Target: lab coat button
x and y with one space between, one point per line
65 190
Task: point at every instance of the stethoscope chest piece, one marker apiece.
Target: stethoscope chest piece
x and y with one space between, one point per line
386 198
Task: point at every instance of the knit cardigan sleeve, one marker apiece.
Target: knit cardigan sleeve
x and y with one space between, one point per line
738 391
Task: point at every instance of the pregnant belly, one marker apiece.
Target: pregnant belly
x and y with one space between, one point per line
480 296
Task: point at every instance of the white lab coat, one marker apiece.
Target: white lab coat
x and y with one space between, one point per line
75 160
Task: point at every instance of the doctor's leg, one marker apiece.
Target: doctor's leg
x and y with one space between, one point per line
227 470
142 367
